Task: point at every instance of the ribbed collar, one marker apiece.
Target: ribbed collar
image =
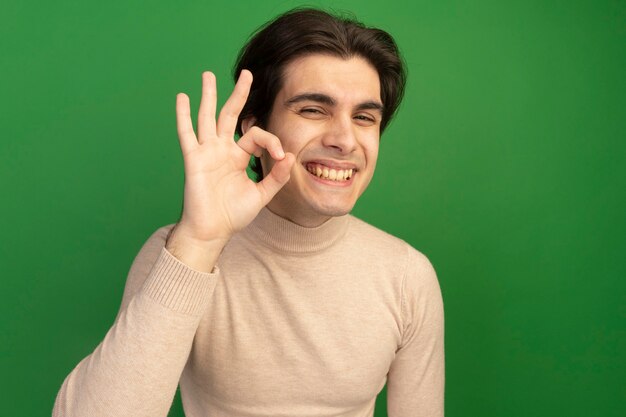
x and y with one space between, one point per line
280 234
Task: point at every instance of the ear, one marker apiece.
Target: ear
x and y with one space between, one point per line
247 123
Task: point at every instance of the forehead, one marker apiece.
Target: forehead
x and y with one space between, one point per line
351 80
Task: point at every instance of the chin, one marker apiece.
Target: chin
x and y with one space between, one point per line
332 210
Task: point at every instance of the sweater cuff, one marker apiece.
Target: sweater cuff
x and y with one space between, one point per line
178 287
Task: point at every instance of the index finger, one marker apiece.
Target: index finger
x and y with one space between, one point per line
227 121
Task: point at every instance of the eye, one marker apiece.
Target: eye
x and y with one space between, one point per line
310 110
312 113
364 118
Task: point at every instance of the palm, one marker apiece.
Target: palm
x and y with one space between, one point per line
219 197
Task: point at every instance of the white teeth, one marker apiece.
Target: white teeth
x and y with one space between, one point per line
330 173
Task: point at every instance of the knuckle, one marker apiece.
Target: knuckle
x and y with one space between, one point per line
274 139
230 112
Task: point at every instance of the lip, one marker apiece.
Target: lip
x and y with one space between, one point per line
344 165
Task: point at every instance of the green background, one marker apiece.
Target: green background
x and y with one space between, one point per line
505 166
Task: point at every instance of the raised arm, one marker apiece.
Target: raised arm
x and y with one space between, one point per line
135 370
220 199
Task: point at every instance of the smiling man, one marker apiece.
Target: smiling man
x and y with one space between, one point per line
268 298
328 115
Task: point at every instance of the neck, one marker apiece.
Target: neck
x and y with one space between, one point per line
297 217
283 235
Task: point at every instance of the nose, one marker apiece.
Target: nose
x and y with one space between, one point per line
341 135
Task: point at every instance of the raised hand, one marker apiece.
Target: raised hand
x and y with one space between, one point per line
219 198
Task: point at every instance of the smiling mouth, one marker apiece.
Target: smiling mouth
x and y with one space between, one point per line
332 174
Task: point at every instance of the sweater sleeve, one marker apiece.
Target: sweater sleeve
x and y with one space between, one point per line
135 370
415 382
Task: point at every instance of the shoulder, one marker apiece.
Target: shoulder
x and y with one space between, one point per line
417 270
372 237
387 244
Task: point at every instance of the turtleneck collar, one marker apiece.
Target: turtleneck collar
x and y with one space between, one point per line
281 234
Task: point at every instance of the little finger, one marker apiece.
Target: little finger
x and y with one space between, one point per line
186 135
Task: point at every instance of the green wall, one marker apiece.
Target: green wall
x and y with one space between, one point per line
505 166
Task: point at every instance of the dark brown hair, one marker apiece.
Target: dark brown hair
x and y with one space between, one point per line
305 31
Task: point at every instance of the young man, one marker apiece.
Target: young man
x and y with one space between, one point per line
268 298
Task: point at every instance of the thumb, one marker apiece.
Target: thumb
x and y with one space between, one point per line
277 178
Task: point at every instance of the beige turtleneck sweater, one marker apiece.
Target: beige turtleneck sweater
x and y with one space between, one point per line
293 321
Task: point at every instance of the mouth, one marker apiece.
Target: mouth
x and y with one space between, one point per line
333 173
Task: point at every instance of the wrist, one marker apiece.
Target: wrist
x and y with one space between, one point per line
199 254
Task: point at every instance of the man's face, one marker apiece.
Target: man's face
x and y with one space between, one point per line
328 115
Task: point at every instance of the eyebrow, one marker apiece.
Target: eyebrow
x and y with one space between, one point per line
328 100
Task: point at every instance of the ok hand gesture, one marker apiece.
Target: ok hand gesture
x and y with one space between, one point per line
219 198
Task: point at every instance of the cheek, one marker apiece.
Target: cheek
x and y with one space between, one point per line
294 138
371 150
